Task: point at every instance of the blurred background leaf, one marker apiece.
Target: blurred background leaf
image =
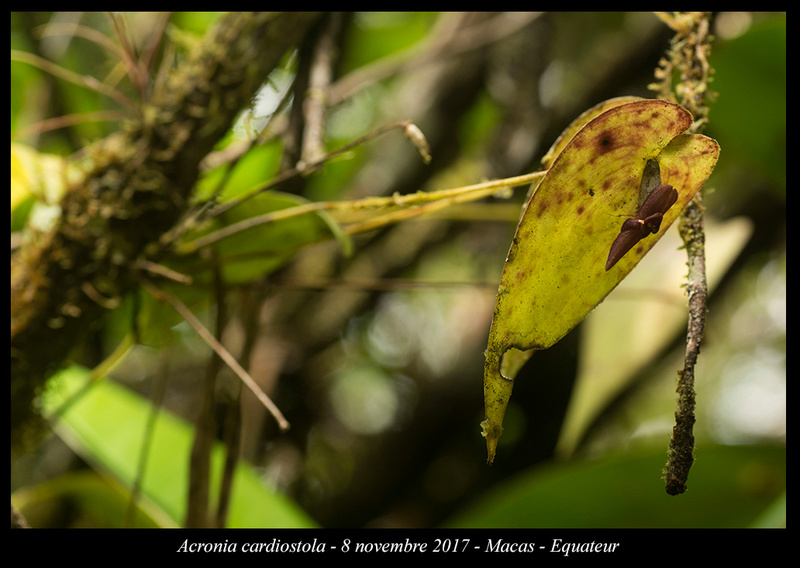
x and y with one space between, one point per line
108 426
619 492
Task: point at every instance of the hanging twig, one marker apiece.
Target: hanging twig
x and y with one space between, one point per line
688 55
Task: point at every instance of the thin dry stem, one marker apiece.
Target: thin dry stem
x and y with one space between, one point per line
425 202
67 75
220 350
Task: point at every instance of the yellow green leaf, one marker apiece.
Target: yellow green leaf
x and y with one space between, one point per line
571 130
555 274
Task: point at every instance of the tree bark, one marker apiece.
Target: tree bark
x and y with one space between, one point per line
135 187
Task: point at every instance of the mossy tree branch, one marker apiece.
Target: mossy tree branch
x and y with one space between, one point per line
135 186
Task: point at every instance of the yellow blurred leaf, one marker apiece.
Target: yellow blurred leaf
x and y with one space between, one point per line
34 173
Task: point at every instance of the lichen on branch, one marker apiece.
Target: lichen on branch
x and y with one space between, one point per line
135 186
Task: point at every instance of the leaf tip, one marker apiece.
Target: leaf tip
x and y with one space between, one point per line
491 431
